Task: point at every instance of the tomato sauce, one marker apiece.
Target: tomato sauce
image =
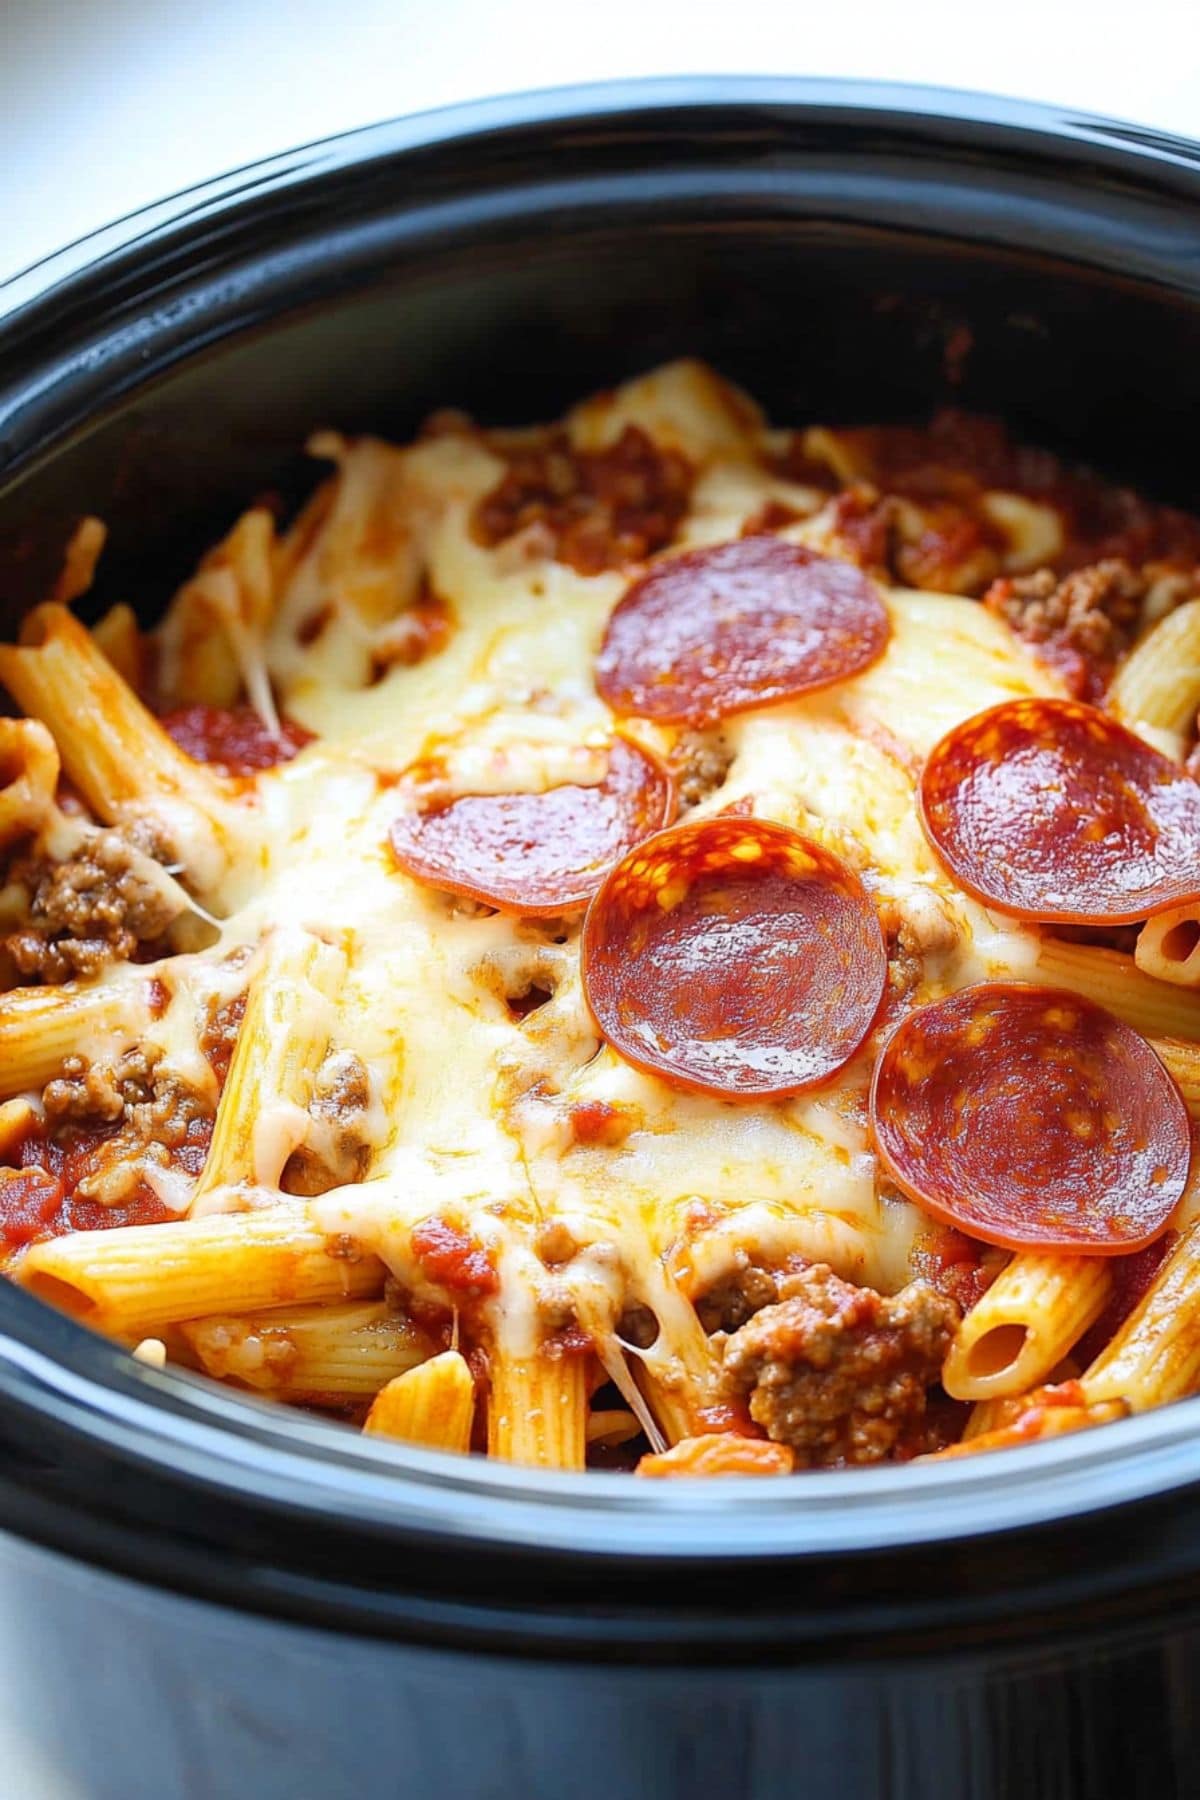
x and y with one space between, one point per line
453 1258
39 1199
599 1122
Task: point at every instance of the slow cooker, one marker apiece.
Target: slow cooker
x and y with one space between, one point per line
207 1597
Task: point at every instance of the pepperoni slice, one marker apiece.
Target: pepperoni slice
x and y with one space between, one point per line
233 738
1030 1117
752 623
1050 809
734 956
537 854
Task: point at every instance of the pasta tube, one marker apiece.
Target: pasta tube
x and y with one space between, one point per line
213 635
433 1405
263 1113
1168 947
313 1354
1025 1323
1158 684
113 748
1155 1008
1155 1355
41 1026
134 1279
537 1410
118 636
1183 1062
29 767
678 1375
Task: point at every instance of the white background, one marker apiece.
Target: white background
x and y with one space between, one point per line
106 105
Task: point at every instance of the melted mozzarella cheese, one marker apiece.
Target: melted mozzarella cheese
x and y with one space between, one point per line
478 1105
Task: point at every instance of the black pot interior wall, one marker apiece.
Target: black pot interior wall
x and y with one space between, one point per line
819 322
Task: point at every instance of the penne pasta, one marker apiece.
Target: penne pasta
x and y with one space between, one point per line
119 637
1158 684
1168 947
29 766
1155 1355
41 1026
433 1405
612 1428
319 1355
113 748
1032 530
1018 1332
263 1112
679 1375
212 642
131 1281
83 551
1031 1419
537 1409
1155 1008
1183 1062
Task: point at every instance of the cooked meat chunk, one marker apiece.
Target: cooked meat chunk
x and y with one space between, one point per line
1081 624
700 762
100 1091
836 1371
158 1122
92 909
338 1148
599 509
737 1297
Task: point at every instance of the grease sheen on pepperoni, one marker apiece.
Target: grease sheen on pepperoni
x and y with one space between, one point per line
734 956
540 853
1050 809
752 623
1032 1118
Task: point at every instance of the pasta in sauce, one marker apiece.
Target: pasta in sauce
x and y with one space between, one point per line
547 952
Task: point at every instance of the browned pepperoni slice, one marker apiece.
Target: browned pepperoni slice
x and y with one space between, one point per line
1050 809
1030 1117
537 854
734 956
746 624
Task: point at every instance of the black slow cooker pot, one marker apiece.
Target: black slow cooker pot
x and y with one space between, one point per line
206 1597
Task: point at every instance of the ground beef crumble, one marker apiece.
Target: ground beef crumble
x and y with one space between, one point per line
1080 624
108 1121
338 1152
601 509
700 761
838 1372
99 1091
744 1291
94 908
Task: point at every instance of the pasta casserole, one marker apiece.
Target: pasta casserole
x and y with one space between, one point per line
656 941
